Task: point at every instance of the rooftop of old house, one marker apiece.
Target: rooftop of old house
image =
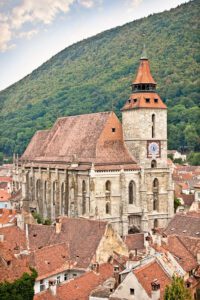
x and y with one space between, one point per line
80 287
149 273
135 241
184 224
7 216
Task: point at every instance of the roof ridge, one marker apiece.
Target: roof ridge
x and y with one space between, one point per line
185 247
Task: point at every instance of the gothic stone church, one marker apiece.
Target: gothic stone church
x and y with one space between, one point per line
93 166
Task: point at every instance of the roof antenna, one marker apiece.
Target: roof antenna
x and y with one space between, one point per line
144 53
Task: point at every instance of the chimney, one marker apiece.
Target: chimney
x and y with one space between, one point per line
53 287
155 290
116 275
1 237
58 225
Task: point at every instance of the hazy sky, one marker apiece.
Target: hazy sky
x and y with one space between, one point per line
31 31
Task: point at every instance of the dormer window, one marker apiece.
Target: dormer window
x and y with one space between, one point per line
135 100
113 129
147 100
156 100
129 100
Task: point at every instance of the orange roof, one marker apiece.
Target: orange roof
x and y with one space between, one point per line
148 273
144 100
5 179
4 195
144 73
7 215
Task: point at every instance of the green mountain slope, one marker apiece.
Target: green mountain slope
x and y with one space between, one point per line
95 75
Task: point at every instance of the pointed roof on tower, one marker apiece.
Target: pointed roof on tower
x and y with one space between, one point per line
144 73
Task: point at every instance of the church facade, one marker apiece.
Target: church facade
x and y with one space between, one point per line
94 166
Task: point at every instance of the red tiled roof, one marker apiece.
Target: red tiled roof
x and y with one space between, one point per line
192 244
187 199
80 287
184 225
183 255
7 216
15 268
87 138
148 273
75 232
144 73
138 100
135 241
51 260
4 196
14 237
5 179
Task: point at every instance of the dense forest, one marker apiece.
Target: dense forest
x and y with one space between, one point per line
95 75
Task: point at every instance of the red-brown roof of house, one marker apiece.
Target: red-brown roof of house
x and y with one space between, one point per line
192 244
135 241
11 268
80 287
4 196
5 179
7 216
14 237
148 273
184 225
75 232
183 255
138 100
144 73
51 260
94 138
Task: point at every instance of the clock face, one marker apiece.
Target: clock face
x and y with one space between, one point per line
153 149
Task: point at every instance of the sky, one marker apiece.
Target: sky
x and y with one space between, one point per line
32 31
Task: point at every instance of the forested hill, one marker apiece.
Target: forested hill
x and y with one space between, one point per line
95 74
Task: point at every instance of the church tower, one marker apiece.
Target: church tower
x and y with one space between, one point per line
144 120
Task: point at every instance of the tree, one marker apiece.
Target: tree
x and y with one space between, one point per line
1 158
20 289
177 290
177 203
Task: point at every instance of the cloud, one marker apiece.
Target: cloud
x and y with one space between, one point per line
87 3
32 12
5 37
28 34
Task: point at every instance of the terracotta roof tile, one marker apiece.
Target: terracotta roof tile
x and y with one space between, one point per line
183 255
14 237
144 73
7 216
184 225
87 138
135 241
4 195
148 273
138 100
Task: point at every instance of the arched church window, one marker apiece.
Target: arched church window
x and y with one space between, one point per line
153 125
155 194
153 164
108 208
132 192
83 197
108 189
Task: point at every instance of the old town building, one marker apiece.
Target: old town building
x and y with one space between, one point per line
96 167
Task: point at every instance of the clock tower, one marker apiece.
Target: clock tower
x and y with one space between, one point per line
144 119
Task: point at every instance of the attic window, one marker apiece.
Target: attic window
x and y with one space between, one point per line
34 234
8 262
156 100
113 129
147 100
135 100
132 291
129 100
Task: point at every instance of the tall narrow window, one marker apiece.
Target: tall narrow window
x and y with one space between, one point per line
62 194
153 164
108 189
83 197
155 194
153 125
54 191
38 189
108 208
45 191
131 192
